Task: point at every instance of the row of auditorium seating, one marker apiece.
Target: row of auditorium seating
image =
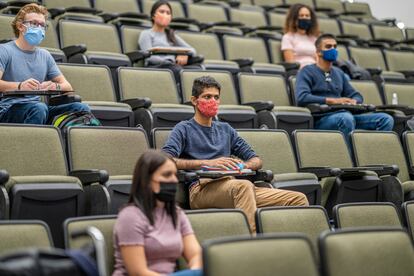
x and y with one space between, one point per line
57 172
213 224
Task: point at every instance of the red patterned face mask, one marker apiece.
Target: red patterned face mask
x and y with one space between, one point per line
208 108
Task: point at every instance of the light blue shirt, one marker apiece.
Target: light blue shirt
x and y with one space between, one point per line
19 65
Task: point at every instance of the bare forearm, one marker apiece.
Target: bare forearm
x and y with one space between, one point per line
8 85
195 262
254 164
186 164
65 86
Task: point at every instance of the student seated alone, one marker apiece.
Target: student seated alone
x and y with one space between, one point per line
203 141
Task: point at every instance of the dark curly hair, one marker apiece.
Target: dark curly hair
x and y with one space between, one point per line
291 23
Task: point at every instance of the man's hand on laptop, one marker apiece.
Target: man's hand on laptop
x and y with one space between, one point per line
224 162
340 101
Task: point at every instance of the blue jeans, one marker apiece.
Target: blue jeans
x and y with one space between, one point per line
38 112
347 122
188 272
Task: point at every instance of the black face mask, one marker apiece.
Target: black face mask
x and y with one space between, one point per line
304 24
167 191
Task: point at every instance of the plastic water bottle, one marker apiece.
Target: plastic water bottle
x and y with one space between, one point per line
394 98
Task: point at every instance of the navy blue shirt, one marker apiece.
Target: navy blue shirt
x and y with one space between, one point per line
190 140
312 86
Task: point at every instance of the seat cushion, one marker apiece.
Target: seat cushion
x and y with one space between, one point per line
108 104
42 179
291 109
408 186
283 177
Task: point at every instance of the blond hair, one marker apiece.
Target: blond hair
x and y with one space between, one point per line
29 8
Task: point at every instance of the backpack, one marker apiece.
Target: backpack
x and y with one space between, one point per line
79 118
354 71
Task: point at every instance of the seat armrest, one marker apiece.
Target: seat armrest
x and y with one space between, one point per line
88 177
290 65
108 16
347 36
228 24
195 59
318 108
374 71
407 110
244 62
64 99
260 105
381 169
138 103
322 172
83 10
74 49
138 55
185 20
408 73
326 10
270 28
187 177
4 177
264 175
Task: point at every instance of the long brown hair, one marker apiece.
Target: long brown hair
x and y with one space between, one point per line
291 23
168 31
141 192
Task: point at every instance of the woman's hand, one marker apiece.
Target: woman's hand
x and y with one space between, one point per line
181 60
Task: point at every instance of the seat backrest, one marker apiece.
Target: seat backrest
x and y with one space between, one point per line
311 221
227 93
74 32
245 47
408 210
51 38
158 85
408 141
354 28
399 60
410 33
292 252
248 18
177 8
20 234
91 82
159 137
368 90
305 2
404 92
368 57
359 7
31 150
66 3
387 32
117 6
335 5
277 19
218 223
129 38
207 13
366 145
315 148
205 44
269 2
329 26
115 150
272 146
6 31
342 52
366 214
105 224
276 50
381 252
255 87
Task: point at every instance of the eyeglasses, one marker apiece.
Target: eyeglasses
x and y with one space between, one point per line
31 24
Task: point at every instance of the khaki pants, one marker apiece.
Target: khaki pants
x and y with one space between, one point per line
227 192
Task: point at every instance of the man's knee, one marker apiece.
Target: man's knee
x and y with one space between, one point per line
78 107
345 120
298 199
37 113
241 186
386 122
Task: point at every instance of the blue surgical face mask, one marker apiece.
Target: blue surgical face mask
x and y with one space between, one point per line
330 55
304 24
34 35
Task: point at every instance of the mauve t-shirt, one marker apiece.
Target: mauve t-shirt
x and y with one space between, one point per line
163 244
303 47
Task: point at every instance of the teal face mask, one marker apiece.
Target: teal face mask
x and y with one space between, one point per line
34 35
330 55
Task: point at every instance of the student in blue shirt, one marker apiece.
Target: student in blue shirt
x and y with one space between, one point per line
24 66
202 141
324 84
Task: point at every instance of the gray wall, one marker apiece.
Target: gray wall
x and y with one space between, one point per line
400 9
